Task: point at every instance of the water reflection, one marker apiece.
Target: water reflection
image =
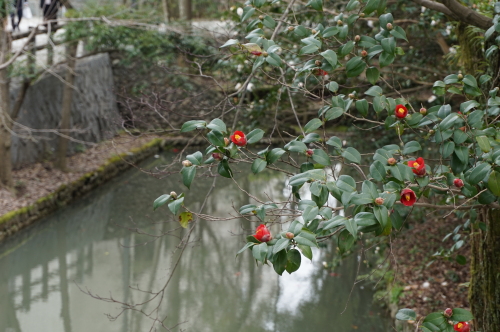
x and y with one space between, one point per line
86 243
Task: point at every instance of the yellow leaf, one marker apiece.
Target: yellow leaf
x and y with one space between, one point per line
185 218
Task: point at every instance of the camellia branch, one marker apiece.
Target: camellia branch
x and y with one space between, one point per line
468 15
458 12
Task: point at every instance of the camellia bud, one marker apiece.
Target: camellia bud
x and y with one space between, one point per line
265 53
379 201
357 38
460 76
217 156
313 31
458 183
339 23
448 312
317 63
261 17
362 15
226 141
423 111
392 161
309 152
173 194
291 28
432 131
389 26
351 96
187 163
364 53
464 129
289 235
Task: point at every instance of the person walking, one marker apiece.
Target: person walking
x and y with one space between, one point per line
17 9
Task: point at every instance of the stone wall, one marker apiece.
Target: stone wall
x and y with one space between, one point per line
94 114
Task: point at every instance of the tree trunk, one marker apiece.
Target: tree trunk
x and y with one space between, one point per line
165 11
484 291
5 120
185 10
62 149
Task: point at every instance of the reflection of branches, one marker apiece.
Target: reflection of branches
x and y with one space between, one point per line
154 314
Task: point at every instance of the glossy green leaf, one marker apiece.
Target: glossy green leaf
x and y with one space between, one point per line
411 147
335 142
406 314
188 174
355 66
371 6
230 42
494 183
345 241
484 143
161 201
247 245
333 113
258 165
331 57
312 125
175 205
296 146
461 315
224 170
321 157
259 252
217 124
192 125
269 22
377 170
306 251
372 74
216 138
293 260
479 173
362 106
254 136
352 227
352 155
346 183
274 155
447 149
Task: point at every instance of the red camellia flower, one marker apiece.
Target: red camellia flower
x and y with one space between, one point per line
257 53
320 72
408 197
417 166
239 138
401 111
262 233
458 183
462 327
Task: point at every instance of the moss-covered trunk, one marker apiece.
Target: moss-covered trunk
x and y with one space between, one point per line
484 292
5 119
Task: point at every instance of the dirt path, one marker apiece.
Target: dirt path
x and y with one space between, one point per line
38 180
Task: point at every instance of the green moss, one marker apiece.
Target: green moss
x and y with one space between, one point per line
11 214
44 198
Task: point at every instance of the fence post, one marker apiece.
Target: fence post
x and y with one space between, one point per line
50 50
62 148
32 54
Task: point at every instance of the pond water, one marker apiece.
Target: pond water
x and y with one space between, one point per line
89 245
